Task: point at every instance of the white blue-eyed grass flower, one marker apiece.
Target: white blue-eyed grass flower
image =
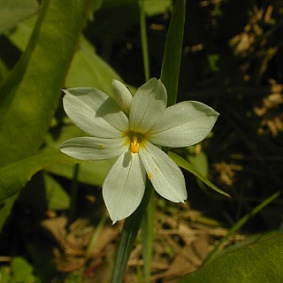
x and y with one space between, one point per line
133 128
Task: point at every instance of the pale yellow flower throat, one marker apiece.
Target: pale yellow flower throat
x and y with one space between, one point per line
134 144
136 139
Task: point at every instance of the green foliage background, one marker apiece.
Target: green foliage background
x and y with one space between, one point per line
231 59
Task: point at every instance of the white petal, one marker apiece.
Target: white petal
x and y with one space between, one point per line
148 104
91 148
183 124
165 176
122 95
95 112
124 186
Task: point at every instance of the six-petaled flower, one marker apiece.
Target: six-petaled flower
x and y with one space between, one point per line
133 129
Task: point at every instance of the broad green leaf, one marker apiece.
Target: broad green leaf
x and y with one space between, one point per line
3 70
260 262
21 35
153 7
22 271
238 225
173 51
91 172
249 240
89 70
12 12
30 95
95 5
5 274
5 208
187 166
16 174
56 196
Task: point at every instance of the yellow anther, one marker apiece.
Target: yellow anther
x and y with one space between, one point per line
135 145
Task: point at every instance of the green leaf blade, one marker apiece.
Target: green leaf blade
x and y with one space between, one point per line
12 12
187 166
16 174
30 105
173 51
260 262
29 96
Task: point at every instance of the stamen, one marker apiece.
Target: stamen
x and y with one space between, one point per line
134 144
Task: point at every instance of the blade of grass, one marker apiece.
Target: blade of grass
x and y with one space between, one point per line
128 236
169 76
147 223
147 238
144 41
173 51
187 166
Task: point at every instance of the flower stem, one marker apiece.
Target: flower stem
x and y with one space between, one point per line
147 223
128 235
144 41
147 238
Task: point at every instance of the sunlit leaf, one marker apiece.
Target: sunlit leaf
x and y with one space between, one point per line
21 35
56 197
88 69
91 172
16 174
30 94
153 7
29 97
11 12
22 271
5 208
260 262
187 166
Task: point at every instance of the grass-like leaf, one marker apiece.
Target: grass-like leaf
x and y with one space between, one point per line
128 236
173 51
169 76
187 166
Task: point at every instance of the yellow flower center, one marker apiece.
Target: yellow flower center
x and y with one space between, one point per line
135 145
135 141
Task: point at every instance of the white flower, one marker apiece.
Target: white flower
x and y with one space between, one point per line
133 128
